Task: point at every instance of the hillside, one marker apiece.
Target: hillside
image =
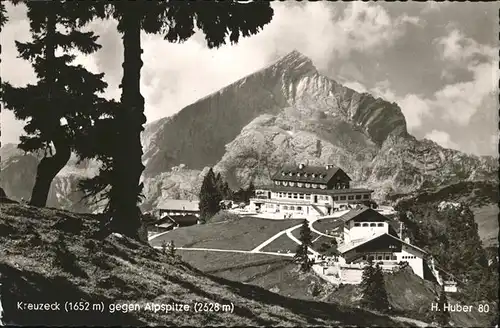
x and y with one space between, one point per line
284 113
412 297
481 197
55 256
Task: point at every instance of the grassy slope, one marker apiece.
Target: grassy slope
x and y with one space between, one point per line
412 297
243 234
274 273
283 243
49 255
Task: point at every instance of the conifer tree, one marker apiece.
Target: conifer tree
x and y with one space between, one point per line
63 105
220 22
250 191
210 197
373 288
302 253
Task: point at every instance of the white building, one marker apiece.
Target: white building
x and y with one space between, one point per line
308 191
368 235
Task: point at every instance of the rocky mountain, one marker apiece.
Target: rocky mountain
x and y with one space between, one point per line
287 112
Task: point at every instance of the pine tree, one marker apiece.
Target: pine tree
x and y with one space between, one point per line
367 285
442 315
220 21
373 288
381 300
64 92
302 253
209 197
250 191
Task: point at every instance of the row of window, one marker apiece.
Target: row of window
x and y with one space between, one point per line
305 175
293 195
409 257
299 184
357 224
381 258
321 197
292 208
351 197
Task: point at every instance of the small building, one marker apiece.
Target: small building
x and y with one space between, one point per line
177 207
308 191
450 286
367 235
174 213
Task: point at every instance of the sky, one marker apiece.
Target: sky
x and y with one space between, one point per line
437 61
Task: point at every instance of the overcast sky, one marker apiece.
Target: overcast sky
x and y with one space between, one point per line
438 61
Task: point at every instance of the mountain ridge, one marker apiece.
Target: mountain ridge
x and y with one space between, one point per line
286 112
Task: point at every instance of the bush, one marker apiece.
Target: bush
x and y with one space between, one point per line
222 216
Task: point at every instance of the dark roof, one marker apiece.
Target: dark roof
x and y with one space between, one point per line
314 190
181 220
305 173
362 211
347 247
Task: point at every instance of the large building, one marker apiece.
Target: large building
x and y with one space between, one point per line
368 235
308 191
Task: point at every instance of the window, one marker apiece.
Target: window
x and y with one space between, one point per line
371 257
308 196
308 185
365 224
394 258
300 184
301 196
373 224
335 198
404 257
292 184
379 258
295 195
357 224
285 183
290 174
314 185
289 195
350 197
380 224
358 196
299 208
387 257
364 257
342 197
276 182
366 196
285 207
292 208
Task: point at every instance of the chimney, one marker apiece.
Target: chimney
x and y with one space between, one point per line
301 166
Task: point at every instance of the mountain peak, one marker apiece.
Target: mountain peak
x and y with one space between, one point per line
294 60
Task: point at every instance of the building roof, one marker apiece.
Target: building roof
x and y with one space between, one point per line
179 205
180 220
307 173
362 211
315 190
352 245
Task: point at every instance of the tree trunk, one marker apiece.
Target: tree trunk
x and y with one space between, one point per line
128 156
48 168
